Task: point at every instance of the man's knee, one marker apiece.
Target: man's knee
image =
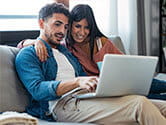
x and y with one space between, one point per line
141 101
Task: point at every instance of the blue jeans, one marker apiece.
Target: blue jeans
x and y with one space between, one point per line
158 89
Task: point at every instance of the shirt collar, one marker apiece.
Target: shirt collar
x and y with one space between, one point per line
60 47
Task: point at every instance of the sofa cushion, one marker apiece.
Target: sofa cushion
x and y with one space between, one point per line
13 96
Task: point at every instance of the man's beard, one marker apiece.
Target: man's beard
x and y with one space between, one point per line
52 43
50 40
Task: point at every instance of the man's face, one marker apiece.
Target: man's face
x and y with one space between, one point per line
55 28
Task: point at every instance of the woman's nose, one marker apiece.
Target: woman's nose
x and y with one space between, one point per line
82 31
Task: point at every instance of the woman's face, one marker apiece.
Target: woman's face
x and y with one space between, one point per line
80 30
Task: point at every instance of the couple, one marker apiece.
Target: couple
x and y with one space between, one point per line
61 72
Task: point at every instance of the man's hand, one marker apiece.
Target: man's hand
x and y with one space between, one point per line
88 83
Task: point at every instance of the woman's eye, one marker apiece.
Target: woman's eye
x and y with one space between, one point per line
77 26
87 27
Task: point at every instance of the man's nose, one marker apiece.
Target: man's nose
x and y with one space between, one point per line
63 30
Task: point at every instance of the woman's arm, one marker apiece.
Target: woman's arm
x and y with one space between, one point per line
26 42
40 48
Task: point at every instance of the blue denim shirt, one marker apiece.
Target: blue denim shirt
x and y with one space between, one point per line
39 77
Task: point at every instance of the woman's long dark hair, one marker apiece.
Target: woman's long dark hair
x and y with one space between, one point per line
79 12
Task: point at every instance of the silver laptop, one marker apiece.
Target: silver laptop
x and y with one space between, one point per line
124 75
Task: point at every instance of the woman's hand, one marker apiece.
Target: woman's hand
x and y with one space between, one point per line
41 50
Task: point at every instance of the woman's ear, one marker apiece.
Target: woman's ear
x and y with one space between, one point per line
41 23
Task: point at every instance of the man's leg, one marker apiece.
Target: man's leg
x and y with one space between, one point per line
161 105
119 110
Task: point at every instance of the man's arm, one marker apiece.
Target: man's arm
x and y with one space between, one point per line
30 72
88 83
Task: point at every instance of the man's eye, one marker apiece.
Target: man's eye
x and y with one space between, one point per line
66 27
57 24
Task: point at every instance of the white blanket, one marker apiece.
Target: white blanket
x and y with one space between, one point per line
15 118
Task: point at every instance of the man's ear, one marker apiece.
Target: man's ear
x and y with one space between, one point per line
41 23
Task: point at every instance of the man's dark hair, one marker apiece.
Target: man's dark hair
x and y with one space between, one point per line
48 10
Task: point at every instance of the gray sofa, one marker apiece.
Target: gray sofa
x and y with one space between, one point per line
13 96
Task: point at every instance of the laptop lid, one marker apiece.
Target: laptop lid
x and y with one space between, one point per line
125 74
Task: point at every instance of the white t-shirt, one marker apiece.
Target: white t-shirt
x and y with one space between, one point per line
65 72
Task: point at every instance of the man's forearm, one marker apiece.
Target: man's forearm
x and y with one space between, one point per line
88 83
66 87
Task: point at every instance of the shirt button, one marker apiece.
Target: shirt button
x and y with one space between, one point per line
48 113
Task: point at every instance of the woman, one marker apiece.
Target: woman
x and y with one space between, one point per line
86 41
89 45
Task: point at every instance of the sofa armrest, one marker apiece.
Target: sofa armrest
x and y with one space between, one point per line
118 43
13 96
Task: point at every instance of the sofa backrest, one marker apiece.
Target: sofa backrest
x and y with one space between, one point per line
13 96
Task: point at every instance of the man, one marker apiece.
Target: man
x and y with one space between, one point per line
48 81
